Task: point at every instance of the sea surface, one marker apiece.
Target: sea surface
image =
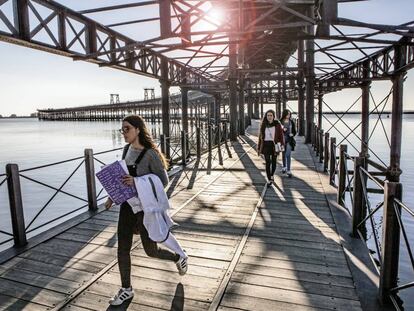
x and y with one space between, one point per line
31 143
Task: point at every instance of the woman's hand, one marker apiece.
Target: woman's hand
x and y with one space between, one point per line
128 180
108 203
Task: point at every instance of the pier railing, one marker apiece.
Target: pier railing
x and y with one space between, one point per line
375 207
181 150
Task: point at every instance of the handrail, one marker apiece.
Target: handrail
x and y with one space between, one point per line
376 165
51 164
397 203
107 151
405 207
375 180
174 148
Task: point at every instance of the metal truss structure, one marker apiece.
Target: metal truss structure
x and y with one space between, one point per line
238 50
243 52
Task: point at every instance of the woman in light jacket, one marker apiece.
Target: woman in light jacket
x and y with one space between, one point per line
270 133
142 157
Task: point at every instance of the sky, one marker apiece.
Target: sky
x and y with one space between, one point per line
32 79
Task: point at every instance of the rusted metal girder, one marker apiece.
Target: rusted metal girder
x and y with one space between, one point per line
381 65
89 43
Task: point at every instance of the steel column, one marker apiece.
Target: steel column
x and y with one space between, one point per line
165 105
365 87
320 110
310 84
241 107
233 91
394 170
301 91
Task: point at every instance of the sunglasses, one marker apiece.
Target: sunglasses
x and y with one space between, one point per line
125 129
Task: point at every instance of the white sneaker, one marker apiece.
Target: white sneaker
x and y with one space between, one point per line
182 265
289 173
283 170
122 295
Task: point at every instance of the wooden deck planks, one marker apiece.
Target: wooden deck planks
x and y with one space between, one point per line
285 268
292 260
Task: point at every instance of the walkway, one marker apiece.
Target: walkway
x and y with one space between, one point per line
250 248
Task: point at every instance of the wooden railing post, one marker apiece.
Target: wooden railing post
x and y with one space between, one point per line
332 162
342 175
390 241
326 153
359 204
198 142
90 179
16 205
320 146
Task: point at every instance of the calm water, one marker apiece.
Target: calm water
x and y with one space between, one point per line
30 143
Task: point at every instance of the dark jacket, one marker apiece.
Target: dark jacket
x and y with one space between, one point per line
291 140
294 132
279 137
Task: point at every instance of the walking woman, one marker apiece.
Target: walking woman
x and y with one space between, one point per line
270 140
289 131
142 157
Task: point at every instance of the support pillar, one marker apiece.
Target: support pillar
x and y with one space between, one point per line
250 113
184 109
320 110
217 109
261 100
165 105
393 188
233 91
301 91
310 84
256 110
241 107
278 107
365 87
284 97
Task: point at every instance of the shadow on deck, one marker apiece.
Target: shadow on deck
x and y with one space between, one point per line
282 254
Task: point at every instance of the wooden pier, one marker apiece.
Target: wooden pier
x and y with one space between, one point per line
251 247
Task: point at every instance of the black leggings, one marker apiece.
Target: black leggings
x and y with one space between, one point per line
127 222
270 164
270 157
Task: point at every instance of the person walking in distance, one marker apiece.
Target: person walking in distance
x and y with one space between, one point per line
142 157
271 142
289 132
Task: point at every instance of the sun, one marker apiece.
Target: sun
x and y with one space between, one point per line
216 15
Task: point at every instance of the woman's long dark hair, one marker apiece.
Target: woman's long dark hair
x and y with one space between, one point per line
144 136
265 123
284 114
